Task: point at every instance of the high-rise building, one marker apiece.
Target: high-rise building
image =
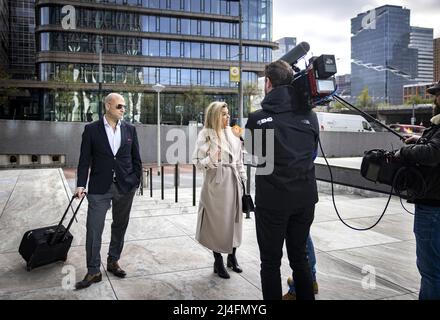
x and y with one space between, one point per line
22 39
343 83
421 39
285 45
437 60
382 59
186 45
4 35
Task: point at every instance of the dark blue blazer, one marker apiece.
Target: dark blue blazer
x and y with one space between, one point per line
97 154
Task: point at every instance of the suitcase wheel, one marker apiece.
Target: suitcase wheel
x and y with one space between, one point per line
64 259
28 268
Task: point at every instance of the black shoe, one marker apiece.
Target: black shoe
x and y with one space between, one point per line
88 281
114 268
219 267
232 263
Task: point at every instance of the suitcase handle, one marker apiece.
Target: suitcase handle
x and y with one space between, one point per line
52 241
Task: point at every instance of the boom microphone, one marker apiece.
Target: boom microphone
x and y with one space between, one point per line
296 53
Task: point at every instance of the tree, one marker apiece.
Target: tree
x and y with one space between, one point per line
195 102
364 100
337 105
63 98
416 99
250 91
6 91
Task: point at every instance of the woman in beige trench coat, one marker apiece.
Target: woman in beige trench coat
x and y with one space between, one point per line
218 154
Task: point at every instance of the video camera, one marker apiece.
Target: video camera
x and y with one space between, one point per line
313 84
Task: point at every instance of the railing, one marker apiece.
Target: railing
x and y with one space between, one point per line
147 178
149 172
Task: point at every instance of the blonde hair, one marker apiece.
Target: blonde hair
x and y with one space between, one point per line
213 116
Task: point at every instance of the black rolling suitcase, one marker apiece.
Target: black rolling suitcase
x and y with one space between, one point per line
46 245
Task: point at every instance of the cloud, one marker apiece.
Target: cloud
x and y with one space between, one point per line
326 25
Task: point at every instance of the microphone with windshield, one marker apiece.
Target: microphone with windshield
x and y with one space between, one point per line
296 53
316 83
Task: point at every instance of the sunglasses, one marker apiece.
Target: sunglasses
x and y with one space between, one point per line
120 106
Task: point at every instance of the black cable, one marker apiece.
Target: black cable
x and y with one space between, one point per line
401 203
333 197
400 171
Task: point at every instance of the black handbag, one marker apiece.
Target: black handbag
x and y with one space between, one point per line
247 203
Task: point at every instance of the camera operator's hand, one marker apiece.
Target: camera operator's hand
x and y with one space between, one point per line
412 139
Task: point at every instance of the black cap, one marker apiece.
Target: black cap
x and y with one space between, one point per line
435 89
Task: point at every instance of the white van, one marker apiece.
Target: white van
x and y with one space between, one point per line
343 122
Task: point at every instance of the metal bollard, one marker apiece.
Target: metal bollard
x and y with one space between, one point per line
248 187
194 185
146 179
151 182
176 182
162 187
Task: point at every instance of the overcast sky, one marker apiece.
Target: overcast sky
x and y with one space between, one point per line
325 25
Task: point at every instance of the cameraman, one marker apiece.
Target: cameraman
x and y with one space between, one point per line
425 151
285 199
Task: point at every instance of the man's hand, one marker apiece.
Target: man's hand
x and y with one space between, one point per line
412 139
79 193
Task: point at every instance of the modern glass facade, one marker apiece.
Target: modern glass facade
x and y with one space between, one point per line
382 60
22 39
4 35
422 40
437 59
186 45
285 45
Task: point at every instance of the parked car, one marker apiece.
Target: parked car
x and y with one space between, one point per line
343 122
408 130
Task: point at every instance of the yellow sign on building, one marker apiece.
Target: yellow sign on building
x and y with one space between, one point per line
234 74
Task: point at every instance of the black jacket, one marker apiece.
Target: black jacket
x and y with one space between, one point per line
426 154
97 154
292 183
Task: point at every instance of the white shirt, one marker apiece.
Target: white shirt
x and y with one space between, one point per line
113 136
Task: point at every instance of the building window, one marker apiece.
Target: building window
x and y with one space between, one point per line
44 41
44 16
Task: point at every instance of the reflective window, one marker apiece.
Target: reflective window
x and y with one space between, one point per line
154 48
195 50
215 51
195 5
175 4
164 25
44 16
185 26
44 41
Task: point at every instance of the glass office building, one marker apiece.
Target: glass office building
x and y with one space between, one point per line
382 60
285 45
22 39
186 45
4 35
437 59
422 40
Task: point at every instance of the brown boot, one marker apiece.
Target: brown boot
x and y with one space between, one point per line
89 279
113 267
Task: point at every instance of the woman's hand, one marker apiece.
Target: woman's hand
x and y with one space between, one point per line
237 131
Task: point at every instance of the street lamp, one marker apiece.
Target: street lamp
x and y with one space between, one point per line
99 45
158 88
240 60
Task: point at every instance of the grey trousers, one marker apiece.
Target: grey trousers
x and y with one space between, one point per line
98 207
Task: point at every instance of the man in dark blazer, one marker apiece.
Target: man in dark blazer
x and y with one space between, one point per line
110 149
